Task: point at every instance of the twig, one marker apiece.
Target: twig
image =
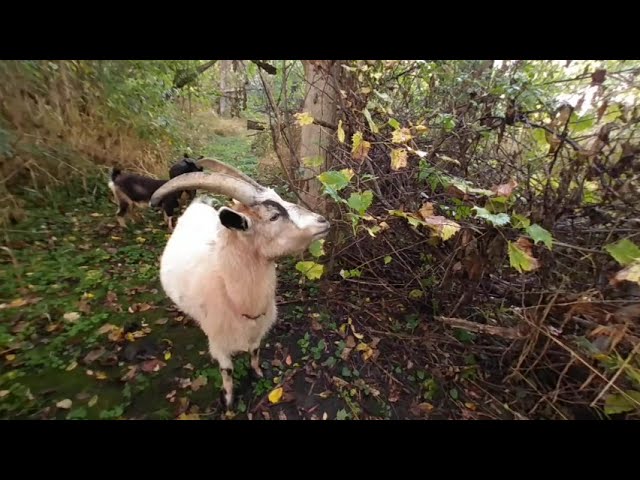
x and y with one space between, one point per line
504 332
615 377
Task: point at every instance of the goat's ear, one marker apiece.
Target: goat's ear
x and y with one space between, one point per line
233 220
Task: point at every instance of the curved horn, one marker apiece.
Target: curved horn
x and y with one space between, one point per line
220 167
218 183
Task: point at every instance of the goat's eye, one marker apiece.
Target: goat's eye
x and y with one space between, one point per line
274 217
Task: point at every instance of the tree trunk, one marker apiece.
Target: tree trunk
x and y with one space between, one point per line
225 85
320 103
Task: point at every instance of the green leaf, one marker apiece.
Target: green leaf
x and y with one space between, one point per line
454 393
341 135
416 294
394 123
520 221
521 260
342 414
539 234
387 260
316 248
77 414
625 251
372 125
498 220
312 270
360 201
336 180
313 162
618 403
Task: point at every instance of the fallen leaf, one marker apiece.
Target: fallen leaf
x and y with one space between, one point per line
315 325
71 366
65 404
426 210
421 409
107 327
189 416
101 375
161 321
93 355
10 358
288 360
521 256
20 327
470 406
152 365
95 214
505 189
304 119
93 401
401 135
71 316
345 353
360 147
275 395
188 366
17 303
4 393
351 342
398 158
198 383
442 226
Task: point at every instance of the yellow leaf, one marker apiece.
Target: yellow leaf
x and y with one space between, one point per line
10 358
4 393
141 239
72 365
304 119
189 416
470 406
398 158
167 356
275 395
65 404
360 147
114 237
401 135
421 128
341 135
93 401
94 214
101 375
630 274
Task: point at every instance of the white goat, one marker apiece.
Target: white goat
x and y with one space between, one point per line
219 265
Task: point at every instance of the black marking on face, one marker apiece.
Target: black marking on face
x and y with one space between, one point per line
276 206
233 220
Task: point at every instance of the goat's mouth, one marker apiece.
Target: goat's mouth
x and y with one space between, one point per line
322 233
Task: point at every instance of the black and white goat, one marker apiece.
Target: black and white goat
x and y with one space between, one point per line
131 189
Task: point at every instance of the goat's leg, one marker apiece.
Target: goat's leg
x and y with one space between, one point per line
225 363
255 360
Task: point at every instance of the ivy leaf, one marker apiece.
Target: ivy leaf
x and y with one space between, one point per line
520 256
387 260
304 119
341 136
398 158
372 125
498 220
539 234
317 248
360 201
312 270
625 251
